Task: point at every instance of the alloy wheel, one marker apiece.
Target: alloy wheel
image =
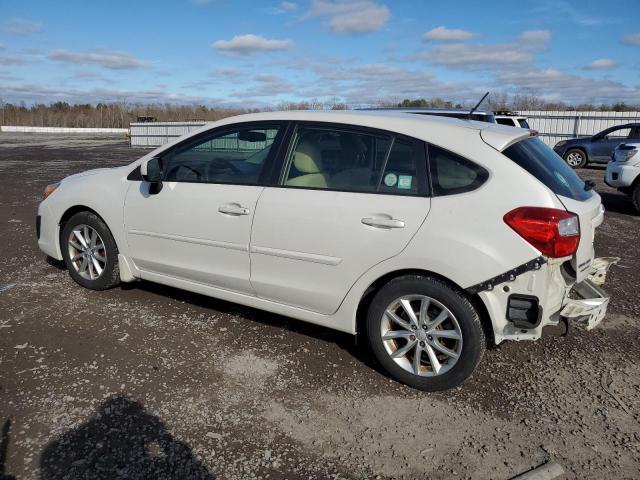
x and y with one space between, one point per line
421 335
574 159
87 252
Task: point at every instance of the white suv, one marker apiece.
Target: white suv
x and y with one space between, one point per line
623 171
430 236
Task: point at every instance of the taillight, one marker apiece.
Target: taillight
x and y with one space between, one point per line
556 233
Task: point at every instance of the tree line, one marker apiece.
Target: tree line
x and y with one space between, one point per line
121 114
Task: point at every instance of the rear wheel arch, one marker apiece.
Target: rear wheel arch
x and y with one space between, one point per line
375 286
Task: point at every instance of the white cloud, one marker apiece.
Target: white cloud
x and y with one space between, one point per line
351 17
270 85
601 64
288 6
37 93
12 60
226 72
2 47
535 37
552 84
21 26
444 34
486 57
250 44
633 39
111 60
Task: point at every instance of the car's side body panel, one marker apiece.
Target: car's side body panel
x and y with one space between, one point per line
182 232
309 246
293 255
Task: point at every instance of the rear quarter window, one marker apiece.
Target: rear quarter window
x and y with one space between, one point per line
452 174
543 163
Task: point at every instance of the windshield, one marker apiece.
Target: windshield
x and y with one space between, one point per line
543 163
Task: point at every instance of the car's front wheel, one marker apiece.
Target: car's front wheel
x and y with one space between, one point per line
90 251
575 158
635 196
425 333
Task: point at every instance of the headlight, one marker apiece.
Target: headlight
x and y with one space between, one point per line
560 144
49 189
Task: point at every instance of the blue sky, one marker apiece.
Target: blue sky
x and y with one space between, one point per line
263 53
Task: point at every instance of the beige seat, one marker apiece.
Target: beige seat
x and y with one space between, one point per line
308 161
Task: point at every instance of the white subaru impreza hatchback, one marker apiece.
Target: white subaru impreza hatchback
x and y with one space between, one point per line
430 236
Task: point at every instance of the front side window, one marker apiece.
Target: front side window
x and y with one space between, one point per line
355 161
543 163
233 156
618 133
452 174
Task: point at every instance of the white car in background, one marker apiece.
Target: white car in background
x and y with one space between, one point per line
623 171
430 236
512 120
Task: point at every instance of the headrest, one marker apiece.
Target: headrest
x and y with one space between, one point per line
308 158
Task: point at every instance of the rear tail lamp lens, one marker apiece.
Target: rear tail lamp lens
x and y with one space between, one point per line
556 233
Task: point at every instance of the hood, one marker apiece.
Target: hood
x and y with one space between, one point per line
87 173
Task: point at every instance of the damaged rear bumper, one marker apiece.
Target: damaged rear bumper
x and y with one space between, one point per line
586 303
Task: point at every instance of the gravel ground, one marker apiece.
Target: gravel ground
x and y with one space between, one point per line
146 381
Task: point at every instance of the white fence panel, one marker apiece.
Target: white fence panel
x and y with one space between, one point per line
554 126
154 134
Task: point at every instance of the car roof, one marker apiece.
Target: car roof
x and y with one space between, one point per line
461 111
426 127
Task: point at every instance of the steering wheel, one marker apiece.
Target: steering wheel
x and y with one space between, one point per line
213 168
173 173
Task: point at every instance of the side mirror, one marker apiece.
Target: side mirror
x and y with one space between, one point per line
151 170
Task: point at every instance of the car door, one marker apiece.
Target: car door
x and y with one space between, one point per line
347 199
197 224
603 146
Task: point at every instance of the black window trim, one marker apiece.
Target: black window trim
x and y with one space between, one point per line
464 157
424 183
267 166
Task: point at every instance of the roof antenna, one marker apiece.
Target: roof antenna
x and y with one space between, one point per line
477 105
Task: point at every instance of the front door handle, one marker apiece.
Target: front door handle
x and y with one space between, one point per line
233 209
382 222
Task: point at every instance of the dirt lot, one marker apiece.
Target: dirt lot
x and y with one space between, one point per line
146 381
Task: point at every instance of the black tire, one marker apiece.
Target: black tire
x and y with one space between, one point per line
635 196
576 158
110 275
473 339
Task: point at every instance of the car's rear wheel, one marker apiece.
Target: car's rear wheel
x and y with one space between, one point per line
575 158
90 252
425 333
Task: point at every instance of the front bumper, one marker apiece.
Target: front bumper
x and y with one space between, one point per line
586 303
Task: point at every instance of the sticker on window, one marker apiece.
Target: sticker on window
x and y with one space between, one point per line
390 179
404 182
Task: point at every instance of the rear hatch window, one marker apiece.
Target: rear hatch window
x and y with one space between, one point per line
543 163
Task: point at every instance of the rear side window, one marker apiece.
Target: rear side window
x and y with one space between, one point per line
543 163
505 121
452 174
523 123
355 161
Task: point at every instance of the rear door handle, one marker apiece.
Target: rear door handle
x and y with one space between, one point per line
383 222
233 209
